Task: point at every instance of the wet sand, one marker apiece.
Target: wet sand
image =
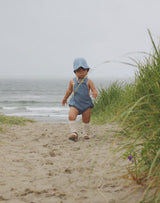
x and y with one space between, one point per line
39 164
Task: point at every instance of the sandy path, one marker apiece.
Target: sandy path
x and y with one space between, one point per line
38 164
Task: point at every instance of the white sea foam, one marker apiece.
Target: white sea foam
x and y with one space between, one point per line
9 108
47 109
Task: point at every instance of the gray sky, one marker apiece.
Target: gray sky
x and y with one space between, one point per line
41 38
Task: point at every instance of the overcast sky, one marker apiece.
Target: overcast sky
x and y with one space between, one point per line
41 38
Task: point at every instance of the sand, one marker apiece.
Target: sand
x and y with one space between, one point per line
39 164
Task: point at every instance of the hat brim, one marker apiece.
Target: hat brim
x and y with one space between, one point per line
81 67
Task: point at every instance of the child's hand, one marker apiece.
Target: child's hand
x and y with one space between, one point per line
64 101
94 94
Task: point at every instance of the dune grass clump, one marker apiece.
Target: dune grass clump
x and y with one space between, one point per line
136 107
106 102
13 120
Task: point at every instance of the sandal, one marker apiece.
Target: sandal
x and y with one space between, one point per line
74 136
86 137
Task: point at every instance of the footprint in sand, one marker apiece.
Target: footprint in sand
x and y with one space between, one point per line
52 153
68 171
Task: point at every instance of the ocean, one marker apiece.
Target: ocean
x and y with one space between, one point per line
37 99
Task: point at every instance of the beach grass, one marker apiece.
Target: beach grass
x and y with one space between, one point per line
13 120
136 108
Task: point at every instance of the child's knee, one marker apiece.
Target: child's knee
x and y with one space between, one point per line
86 116
86 119
72 117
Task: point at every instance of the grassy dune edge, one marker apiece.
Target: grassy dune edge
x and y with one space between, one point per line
135 107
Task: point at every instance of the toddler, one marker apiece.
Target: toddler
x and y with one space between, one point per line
81 102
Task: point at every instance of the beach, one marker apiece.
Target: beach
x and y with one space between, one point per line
39 164
38 99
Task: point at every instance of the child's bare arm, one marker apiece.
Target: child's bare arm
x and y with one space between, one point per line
93 88
68 92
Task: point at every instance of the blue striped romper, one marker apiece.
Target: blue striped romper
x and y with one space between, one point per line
81 99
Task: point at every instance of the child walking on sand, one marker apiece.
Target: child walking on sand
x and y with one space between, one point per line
81 102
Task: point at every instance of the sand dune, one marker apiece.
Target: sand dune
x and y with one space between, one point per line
39 164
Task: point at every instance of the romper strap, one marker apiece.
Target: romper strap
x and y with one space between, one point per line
83 80
86 79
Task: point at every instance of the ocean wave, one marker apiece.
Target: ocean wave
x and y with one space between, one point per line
34 99
25 114
30 109
47 109
21 102
9 108
58 112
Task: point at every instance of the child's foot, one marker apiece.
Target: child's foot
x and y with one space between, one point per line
86 137
74 137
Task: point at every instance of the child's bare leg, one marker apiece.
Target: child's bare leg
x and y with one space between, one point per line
73 113
86 125
86 116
